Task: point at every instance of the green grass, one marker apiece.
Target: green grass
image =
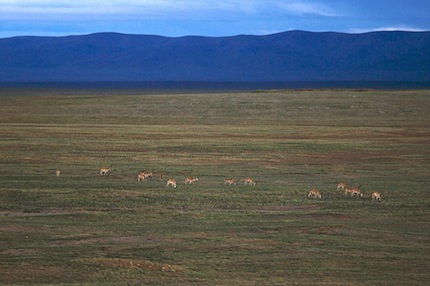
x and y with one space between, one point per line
85 229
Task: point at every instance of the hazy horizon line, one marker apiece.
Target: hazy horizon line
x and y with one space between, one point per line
351 32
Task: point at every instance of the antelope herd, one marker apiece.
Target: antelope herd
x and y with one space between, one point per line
144 176
312 193
347 191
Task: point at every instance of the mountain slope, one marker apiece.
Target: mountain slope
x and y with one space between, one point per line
289 56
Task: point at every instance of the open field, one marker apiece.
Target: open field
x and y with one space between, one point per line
82 228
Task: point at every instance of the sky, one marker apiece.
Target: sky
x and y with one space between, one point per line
215 18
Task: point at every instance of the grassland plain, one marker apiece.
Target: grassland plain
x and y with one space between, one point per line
85 229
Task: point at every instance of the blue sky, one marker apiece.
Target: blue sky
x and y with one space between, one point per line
209 17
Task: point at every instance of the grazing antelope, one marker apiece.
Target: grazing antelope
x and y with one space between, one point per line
172 183
376 196
348 191
191 180
103 171
144 176
341 186
249 182
162 175
230 182
357 192
315 193
57 173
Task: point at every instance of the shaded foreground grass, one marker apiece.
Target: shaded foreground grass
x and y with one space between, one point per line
85 229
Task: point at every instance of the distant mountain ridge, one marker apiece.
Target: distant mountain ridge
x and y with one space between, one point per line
287 56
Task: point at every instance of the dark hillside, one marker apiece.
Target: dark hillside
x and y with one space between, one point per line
289 56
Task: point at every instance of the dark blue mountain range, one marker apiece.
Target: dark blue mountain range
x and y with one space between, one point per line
288 56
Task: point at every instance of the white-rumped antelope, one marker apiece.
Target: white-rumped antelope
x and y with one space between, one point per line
171 183
230 182
249 182
348 191
314 193
190 180
341 186
103 171
376 196
144 176
356 193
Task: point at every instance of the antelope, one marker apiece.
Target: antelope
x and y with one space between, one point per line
162 176
230 182
348 191
191 180
57 173
315 193
376 196
144 176
172 183
357 192
341 186
103 171
249 182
